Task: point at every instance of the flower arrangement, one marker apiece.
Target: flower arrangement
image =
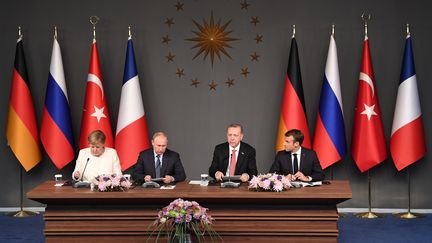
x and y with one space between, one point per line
269 182
182 218
109 183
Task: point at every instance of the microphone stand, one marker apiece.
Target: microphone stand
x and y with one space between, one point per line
82 183
82 175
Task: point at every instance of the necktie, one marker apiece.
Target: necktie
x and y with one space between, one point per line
158 166
233 162
295 164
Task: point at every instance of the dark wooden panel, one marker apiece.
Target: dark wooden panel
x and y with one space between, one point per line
300 215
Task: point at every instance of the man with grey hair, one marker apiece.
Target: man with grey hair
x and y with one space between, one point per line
234 157
159 162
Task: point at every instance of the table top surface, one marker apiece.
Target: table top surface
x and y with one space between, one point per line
337 191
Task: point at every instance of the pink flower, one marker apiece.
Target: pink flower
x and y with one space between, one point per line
115 181
269 182
254 182
278 186
266 184
102 186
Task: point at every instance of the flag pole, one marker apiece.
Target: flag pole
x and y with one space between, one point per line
21 213
369 214
293 33
94 20
331 167
408 214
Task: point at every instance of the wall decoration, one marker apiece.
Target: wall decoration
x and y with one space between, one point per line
212 39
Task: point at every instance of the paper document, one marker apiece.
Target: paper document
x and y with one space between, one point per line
304 184
168 187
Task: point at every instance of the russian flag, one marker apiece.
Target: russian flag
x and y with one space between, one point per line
56 129
131 134
330 141
407 142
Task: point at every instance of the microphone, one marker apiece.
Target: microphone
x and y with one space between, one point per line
82 175
82 183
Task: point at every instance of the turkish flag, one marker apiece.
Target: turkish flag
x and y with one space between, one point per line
368 141
95 114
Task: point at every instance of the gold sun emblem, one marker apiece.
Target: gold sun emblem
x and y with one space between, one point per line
212 39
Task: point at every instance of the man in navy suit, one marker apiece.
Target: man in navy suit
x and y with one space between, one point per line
159 162
296 162
233 157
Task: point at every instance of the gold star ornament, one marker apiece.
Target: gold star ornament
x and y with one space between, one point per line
254 56
230 82
180 72
195 82
212 85
179 6
255 20
170 57
258 38
244 5
169 22
245 72
212 39
166 39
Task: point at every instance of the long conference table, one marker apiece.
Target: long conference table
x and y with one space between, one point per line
307 214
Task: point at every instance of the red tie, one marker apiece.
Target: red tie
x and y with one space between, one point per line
233 162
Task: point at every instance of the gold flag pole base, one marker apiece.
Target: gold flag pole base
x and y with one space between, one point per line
22 214
369 215
408 215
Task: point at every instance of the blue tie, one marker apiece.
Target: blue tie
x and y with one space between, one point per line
158 166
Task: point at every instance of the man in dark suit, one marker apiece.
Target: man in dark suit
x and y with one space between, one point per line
159 162
233 157
297 162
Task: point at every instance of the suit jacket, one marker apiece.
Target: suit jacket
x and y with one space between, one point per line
246 161
309 164
171 165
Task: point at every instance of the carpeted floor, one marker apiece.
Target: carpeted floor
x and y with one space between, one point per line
385 230
22 230
352 230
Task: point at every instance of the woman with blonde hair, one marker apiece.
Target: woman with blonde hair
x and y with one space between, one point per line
96 159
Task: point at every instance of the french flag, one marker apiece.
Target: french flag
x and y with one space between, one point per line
330 141
407 142
131 135
56 129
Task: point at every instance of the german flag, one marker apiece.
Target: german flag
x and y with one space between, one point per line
293 111
21 129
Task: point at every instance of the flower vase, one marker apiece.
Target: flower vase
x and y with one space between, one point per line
184 238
